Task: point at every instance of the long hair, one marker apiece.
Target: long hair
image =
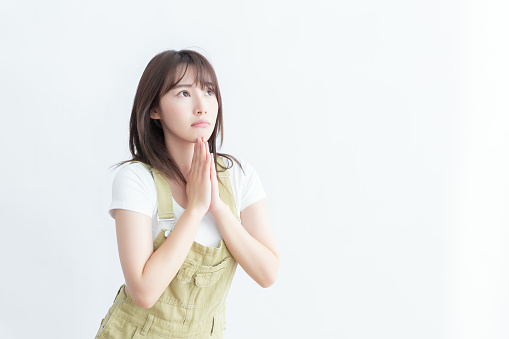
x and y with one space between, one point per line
146 137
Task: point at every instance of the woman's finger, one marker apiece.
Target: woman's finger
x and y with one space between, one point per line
202 152
209 155
195 155
209 168
205 160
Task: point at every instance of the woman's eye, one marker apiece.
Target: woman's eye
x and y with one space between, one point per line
186 93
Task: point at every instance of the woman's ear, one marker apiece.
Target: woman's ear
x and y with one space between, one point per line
154 114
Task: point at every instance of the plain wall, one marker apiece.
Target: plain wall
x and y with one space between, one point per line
378 130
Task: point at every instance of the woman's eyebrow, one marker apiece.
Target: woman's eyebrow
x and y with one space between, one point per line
182 85
207 83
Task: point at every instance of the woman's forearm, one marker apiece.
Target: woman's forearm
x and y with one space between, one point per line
165 262
255 258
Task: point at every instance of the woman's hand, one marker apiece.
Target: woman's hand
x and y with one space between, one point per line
215 201
198 187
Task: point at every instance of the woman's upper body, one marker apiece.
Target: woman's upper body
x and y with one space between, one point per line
134 189
175 124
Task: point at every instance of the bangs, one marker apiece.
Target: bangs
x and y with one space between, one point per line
205 75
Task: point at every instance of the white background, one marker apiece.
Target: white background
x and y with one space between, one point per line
379 130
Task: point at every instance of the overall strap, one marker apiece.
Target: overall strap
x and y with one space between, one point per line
164 197
226 194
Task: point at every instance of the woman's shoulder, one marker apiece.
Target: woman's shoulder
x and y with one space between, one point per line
233 166
133 188
134 167
246 183
243 171
134 172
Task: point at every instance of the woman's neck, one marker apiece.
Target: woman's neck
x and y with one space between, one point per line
182 152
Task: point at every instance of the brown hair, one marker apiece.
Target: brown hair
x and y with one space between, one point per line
146 137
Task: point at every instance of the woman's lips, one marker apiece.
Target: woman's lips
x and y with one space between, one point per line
201 124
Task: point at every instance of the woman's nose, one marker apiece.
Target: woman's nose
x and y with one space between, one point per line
200 106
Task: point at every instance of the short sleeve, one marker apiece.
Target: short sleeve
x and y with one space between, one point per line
252 189
133 189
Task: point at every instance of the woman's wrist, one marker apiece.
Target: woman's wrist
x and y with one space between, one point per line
196 212
221 208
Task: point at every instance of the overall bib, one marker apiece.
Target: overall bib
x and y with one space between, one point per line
193 304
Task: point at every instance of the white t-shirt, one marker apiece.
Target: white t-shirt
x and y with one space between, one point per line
134 189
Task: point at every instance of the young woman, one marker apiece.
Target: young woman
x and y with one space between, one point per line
184 218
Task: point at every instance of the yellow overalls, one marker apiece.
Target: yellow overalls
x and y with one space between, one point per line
193 304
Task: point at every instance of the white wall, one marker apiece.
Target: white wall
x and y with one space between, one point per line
378 129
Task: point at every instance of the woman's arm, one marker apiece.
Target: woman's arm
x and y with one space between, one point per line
148 273
251 243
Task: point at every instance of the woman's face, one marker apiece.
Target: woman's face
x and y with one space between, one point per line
183 106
